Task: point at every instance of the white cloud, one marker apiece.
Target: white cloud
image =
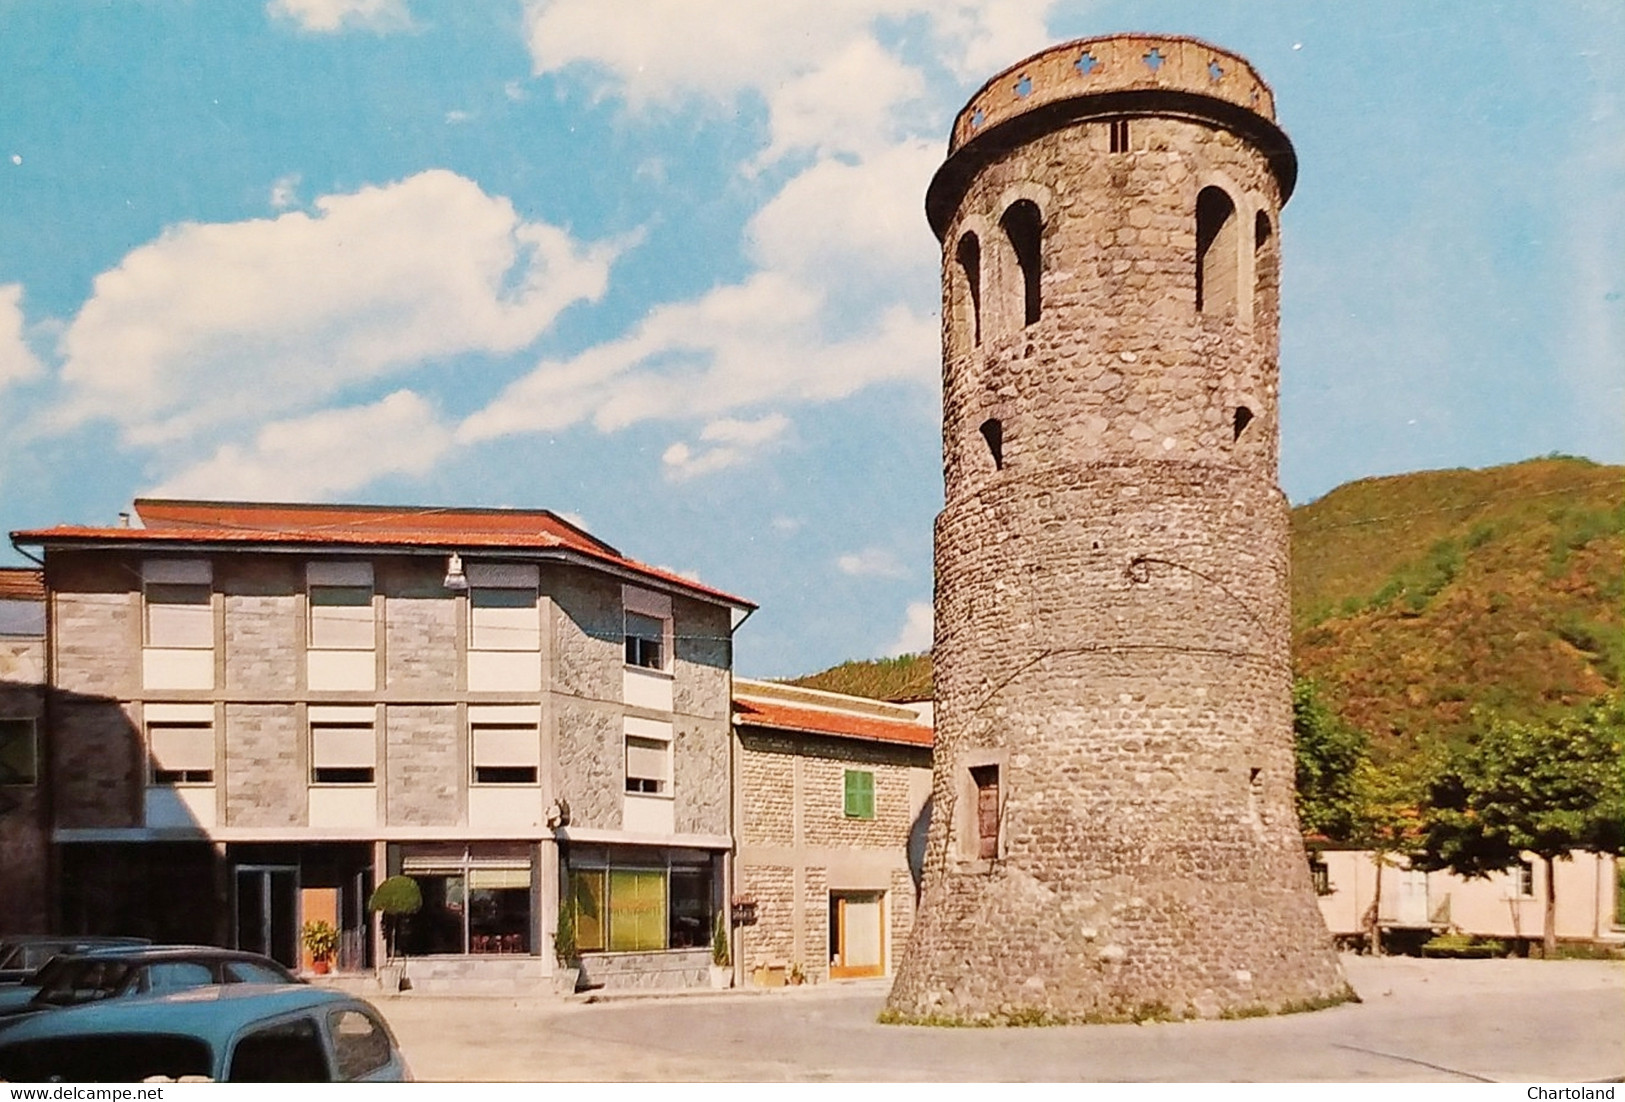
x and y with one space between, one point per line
328 453
916 632
17 360
724 443
872 562
285 192
740 346
331 16
212 325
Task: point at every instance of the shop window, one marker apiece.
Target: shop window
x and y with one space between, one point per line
504 753
181 753
622 909
343 751
648 765
1216 255
179 615
19 752
986 780
472 903
860 794
645 641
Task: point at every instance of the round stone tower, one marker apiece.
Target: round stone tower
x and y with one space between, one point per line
1113 832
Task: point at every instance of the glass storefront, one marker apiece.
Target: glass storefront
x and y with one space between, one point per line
475 900
641 899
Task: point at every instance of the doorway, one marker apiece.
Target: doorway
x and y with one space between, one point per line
267 911
857 934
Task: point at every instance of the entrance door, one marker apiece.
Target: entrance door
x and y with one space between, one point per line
857 935
268 911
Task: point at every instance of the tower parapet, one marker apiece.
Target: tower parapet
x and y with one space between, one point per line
1113 829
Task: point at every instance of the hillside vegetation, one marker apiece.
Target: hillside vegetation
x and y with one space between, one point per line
1418 597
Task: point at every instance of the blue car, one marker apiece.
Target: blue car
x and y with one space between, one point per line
239 1033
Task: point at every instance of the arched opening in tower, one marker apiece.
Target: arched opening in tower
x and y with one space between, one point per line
993 433
1215 252
1024 226
969 256
1239 422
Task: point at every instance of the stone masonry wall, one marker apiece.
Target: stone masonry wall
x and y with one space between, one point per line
97 764
265 766
425 765
420 628
590 761
96 610
265 631
700 776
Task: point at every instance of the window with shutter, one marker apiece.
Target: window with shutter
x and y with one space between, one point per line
860 794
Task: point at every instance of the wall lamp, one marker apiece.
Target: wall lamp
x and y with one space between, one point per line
455 578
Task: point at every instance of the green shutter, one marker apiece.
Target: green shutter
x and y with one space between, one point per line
860 794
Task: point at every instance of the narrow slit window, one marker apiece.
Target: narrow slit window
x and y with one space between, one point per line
969 256
1215 252
986 779
1119 135
1238 423
1263 266
993 433
1024 226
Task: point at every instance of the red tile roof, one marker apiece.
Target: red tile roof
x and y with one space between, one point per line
381 526
21 583
818 721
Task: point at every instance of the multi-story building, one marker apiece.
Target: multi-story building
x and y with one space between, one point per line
24 828
258 712
831 796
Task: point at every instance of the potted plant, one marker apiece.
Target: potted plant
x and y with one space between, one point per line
722 974
567 973
395 898
321 941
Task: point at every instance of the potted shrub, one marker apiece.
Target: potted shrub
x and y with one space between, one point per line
394 898
321 941
567 971
722 974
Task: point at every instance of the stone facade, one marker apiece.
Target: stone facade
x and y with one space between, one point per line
800 852
241 672
1114 835
24 829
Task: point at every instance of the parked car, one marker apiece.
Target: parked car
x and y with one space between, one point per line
240 1033
21 955
116 972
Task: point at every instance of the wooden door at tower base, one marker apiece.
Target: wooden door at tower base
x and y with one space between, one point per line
857 934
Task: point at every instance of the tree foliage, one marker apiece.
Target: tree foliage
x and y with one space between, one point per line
1522 788
1332 761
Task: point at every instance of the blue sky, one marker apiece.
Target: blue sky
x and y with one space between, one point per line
663 266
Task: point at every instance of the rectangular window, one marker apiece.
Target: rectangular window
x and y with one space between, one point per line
504 753
986 778
1119 129
179 615
648 764
503 619
19 753
1523 878
22 618
637 910
181 752
1321 876
645 641
343 749
587 898
341 617
860 794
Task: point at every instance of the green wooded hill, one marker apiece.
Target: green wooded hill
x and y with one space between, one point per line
1418 597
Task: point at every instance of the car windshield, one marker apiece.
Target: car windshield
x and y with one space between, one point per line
52 969
84 980
105 1058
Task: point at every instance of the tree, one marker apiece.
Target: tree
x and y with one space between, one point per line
1329 757
395 897
1517 788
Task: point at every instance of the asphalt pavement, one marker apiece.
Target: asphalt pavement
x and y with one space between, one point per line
1419 1021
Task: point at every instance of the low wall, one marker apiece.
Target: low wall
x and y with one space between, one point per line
669 970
